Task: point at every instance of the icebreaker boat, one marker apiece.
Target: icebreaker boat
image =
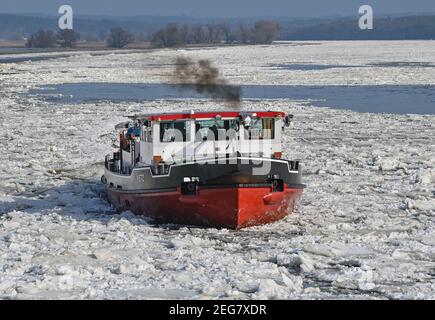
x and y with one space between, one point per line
216 169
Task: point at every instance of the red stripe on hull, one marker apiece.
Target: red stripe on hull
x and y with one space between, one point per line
215 207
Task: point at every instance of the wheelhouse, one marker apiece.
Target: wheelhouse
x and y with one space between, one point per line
160 140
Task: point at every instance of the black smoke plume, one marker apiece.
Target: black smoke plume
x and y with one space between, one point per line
206 80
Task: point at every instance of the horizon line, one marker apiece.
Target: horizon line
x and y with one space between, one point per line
332 16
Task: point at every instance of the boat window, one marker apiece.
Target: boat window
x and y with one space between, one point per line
260 128
174 131
215 129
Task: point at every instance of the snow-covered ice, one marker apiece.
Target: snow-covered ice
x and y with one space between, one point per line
364 227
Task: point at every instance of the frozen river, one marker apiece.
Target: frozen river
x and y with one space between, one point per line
365 226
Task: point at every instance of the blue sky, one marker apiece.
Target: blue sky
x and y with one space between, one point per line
218 8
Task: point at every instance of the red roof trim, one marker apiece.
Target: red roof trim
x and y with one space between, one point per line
208 115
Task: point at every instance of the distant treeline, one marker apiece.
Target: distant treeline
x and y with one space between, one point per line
173 35
117 38
263 32
179 30
48 39
92 28
398 28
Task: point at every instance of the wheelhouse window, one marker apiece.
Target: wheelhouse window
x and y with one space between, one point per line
260 129
174 131
215 129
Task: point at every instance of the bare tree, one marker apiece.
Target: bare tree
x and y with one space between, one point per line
202 34
41 39
265 31
67 38
158 39
170 36
119 38
214 33
186 33
173 35
224 32
218 33
244 34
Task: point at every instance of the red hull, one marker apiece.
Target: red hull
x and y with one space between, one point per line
228 207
